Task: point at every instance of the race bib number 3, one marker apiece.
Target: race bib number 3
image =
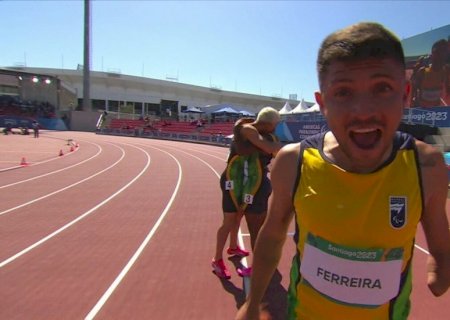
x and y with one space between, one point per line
351 275
248 198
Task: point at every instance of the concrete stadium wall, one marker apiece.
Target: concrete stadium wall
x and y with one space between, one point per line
84 120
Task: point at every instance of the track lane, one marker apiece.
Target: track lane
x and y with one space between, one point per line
84 257
35 151
21 174
38 187
175 265
57 211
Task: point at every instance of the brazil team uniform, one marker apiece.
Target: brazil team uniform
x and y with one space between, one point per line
431 87
354 235
244 182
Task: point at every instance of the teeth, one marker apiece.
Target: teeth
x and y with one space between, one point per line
364 130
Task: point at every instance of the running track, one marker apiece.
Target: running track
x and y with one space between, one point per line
124 228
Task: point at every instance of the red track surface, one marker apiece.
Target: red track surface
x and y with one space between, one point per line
124 228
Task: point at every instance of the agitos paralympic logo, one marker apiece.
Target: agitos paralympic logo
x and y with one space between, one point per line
397 208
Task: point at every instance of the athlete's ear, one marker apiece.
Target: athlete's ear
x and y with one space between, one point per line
407 94
319 100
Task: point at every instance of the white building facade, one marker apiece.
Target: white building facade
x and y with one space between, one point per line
117 92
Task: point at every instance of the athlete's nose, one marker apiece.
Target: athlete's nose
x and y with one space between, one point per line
363 107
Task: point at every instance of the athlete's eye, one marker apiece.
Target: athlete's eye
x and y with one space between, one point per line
342 93
383 88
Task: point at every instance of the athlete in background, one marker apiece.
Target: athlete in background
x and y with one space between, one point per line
429 85
245 185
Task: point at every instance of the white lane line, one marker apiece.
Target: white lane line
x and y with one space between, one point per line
65 188
421 249
141 248
55 233
35 163
209 154
53 172
244 262
220 157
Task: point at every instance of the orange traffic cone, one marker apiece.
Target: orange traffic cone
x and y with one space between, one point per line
61 153
23 162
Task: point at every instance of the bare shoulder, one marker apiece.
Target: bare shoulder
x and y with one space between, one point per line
289 153
248 127
430 157
283 177
433 170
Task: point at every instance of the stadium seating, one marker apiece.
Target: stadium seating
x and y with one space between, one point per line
224 128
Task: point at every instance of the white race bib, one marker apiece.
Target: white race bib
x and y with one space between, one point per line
229 185
248 198
351 275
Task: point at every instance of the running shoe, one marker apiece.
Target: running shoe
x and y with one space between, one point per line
244 272
237 252
220 269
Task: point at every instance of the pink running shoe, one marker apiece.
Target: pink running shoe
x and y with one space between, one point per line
238 252
220 270
244 272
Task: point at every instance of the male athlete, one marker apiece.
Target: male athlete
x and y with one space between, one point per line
357 193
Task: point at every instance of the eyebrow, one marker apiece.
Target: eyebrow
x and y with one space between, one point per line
349 80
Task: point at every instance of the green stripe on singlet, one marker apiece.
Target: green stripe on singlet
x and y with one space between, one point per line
246 173
292 300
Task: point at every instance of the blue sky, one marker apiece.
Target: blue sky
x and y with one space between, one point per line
259 47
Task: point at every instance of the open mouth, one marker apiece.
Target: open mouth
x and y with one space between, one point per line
365 138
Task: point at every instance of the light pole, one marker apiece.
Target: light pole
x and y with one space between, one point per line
87 49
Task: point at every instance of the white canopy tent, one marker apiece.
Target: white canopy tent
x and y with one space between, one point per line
286 109
301 107
314 108
193 110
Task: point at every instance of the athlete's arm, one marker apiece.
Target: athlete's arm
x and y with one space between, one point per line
417 87
434 219
446 98
272 235
252 135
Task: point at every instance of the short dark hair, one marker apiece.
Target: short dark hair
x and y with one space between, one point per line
358 42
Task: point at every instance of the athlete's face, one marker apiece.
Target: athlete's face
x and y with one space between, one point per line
268 127
363 103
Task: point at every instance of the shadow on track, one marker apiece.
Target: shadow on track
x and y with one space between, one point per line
275 299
